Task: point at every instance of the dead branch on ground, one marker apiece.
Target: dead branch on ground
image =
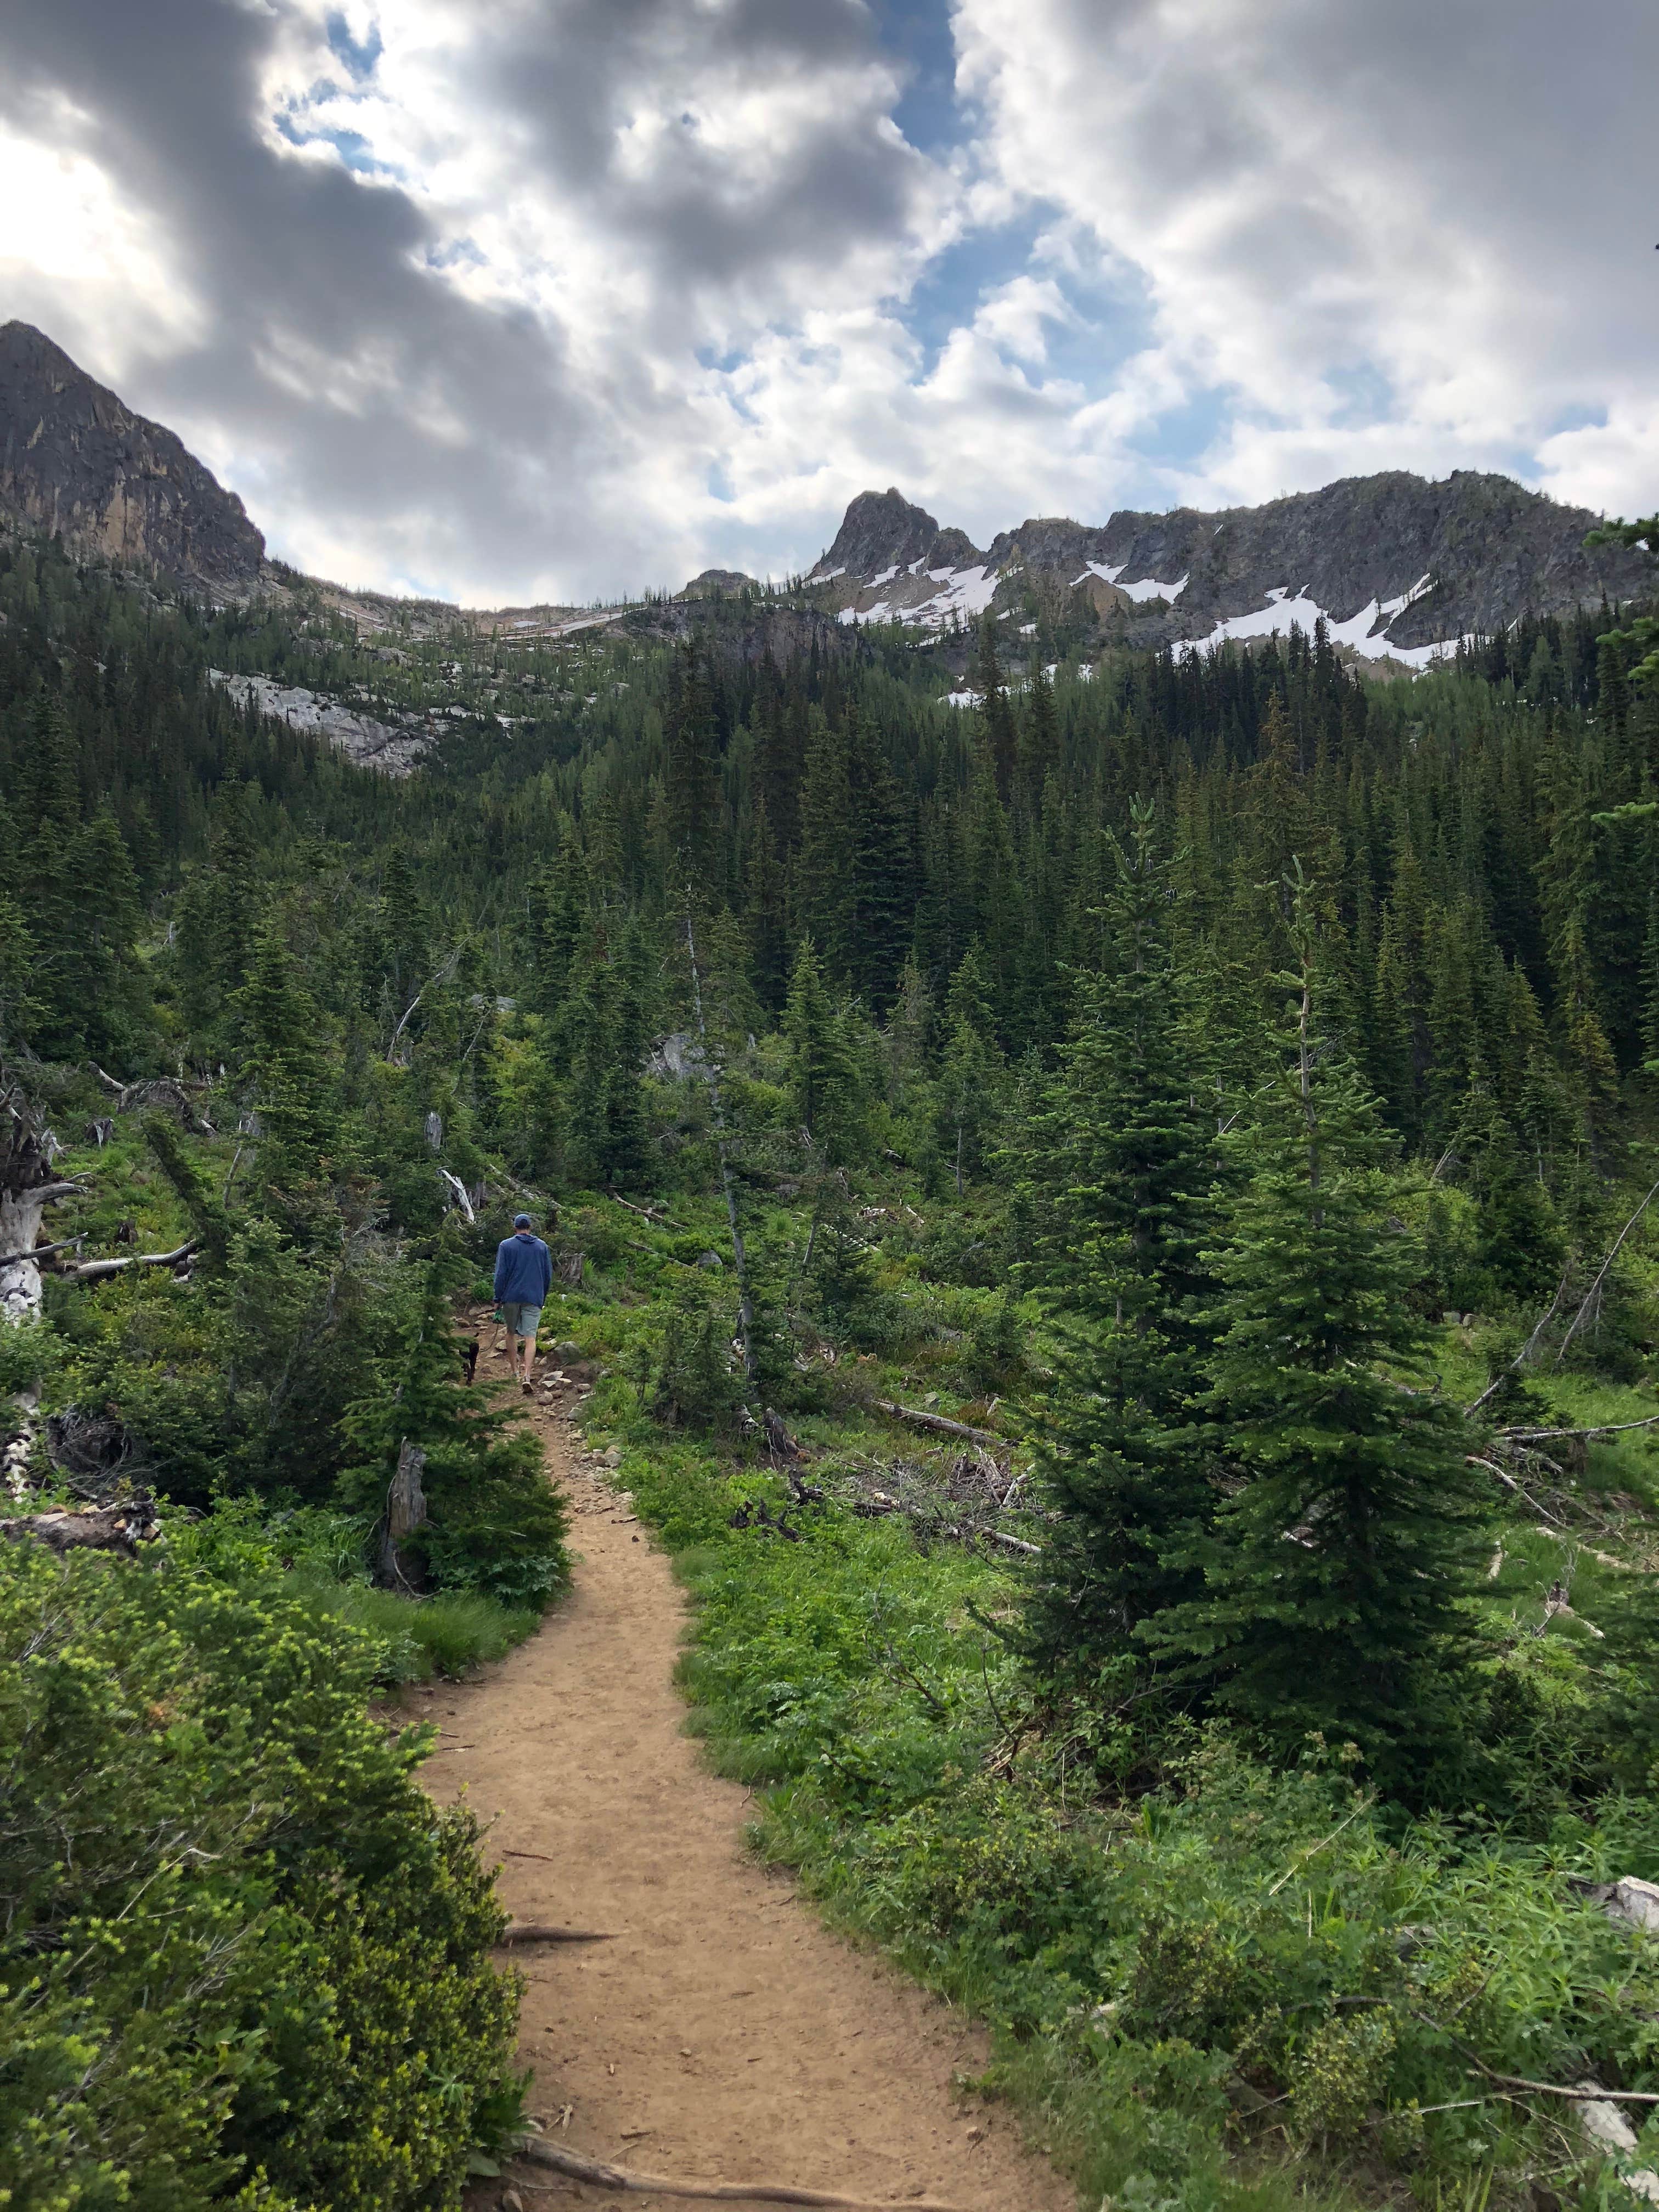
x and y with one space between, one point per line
547 1932
940 1426
575 2167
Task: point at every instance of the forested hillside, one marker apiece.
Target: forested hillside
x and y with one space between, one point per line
1109 1226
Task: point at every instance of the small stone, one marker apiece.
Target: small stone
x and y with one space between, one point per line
1636 1901
711 1262
511 2201
1613 2133
611 1457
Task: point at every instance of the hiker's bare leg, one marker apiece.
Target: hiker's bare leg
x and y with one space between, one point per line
523 1367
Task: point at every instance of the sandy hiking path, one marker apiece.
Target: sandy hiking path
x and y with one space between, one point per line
724 2034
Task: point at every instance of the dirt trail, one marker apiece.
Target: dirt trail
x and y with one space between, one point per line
724 2034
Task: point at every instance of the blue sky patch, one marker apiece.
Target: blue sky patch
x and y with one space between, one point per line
358 60
918 33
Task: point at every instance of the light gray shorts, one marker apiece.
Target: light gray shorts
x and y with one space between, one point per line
522 1320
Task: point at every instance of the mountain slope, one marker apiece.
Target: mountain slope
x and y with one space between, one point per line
1397 565
75 459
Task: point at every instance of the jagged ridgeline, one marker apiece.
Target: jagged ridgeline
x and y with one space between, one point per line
1046 1099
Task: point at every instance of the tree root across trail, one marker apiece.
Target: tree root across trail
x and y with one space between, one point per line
721 2043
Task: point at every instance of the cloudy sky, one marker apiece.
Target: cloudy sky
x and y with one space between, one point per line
560 298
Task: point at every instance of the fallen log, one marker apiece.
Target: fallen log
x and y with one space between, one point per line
547 1932
575 2167
1607 1429
95 1528
1012 1543
938 1426
92 1271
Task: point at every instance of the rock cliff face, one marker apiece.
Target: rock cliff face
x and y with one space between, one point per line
1398 567
74 459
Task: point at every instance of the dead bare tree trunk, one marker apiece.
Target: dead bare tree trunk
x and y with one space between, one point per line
405 1512
27 1186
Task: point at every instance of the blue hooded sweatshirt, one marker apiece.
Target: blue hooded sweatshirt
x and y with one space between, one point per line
523 1271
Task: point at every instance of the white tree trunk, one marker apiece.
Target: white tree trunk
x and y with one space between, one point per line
21 1215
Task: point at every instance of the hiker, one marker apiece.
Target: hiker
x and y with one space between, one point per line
524 1276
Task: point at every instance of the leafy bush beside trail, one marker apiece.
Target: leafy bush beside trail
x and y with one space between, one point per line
245 1960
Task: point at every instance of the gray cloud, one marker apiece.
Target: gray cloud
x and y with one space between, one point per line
361 383
620 286
295 257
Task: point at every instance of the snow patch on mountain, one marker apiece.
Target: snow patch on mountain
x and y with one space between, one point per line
961 595
1143 588
1366 633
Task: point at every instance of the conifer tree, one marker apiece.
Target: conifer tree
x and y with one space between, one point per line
21 1012
1342 1553
286 1057
971 1068
809 1025
692 784
1040 748
765 914
879 858
1114 1196
1001 736
823 884
557 901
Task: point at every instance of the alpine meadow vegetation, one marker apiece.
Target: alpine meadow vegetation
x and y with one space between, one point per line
1111 1226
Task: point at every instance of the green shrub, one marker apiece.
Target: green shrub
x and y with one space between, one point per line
246 1960
449 1634
697 1383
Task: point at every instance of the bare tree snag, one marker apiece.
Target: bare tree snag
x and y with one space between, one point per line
577 2168
405 1512
462 1196
27 1186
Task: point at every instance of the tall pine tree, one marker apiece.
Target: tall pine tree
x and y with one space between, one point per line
1342 1553
1115 1199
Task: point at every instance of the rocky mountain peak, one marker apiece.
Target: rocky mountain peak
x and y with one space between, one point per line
1398 567
882 530
75 460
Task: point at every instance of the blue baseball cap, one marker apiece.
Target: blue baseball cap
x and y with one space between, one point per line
521 1221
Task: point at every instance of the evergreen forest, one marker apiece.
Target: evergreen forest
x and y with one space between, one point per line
1105 1218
